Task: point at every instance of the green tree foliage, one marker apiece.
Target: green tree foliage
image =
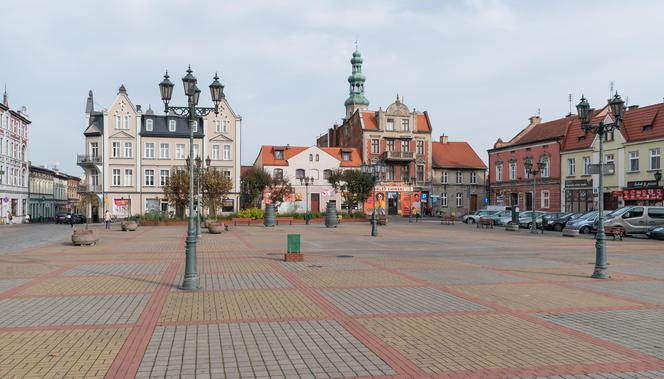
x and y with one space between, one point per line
176 190
254 182
215 186
355 186
86 199
279 188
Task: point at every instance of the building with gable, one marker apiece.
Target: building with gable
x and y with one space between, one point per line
397 136
295 162
129 154
510 184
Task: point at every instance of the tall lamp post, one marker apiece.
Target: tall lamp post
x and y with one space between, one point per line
530 169
376 170
604 127
306 181
191 280
412 182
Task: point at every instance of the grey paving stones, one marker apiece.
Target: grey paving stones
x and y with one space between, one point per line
71 310
326 264
7 284
117 269
465 276
243 280
641 330
365 301
296 349
649 291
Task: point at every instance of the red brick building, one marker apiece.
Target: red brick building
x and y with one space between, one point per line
509 184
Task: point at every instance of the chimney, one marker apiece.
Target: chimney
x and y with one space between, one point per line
443 138
534 120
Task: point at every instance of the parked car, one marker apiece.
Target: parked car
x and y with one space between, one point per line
526 218
636 219
79 218
474 217
502 218
558 223
62 218
583 224
67 218
656 233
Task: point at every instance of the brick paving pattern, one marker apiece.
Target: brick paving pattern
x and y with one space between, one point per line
321 349
366 301
419 300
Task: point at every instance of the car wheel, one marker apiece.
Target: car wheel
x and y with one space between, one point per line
585 230
471 221
557 227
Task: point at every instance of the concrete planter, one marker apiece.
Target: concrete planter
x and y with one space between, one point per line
84 237
570 232
129 226
215 227
512 227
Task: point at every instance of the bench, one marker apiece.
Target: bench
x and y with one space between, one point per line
243 221
447 220
283 220
485 222
618 232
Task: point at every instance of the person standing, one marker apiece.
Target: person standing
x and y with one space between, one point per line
10 217
107 219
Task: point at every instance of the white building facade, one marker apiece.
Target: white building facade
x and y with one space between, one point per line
13 162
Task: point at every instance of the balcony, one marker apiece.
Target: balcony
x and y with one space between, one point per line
88 160
398 156
89 188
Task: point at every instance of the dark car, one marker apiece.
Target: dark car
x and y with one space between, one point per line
558 223
656 232
62 218
79 218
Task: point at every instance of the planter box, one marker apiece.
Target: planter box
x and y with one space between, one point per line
216 228
294 257
84 237
129 226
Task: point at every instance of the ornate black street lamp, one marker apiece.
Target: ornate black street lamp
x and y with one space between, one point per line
192 112
306 181
603 128
658 177
377 170
532 172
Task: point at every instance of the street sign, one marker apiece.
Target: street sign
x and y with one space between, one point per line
609 169
486 200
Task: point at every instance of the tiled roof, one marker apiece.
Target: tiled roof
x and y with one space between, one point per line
267 154
636 121
576 138
423 123
369 119
355 158
455 155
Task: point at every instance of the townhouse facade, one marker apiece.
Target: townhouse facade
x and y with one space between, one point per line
633 152
397 136
511 184
13 162
129 154
458 178
51 192
317 163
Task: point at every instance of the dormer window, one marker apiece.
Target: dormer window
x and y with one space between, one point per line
148 125
647 127
171 125
345 156
278 154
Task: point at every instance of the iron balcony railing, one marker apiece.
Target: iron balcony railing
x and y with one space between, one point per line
399 155
88 159
89 188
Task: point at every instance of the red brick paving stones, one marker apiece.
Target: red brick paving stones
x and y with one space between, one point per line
418 300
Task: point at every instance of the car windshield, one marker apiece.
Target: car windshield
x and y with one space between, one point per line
619 211
588 216
504 214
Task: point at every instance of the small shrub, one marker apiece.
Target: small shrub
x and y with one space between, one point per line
253 213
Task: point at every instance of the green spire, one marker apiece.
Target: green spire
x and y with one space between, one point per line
356 81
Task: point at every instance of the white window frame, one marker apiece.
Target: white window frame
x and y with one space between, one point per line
163 179
586 165
117 180
375 146
172 125
118 122
148 175
633 161
499 172
180 151
197 150
445 178
217 126
128 150
420 147
545 200
405 145
443 199
125 122
224 126
149 125
512 168
195 126
459 199
655 154
216 152
128 174
405 125
571 167
459 177
545 172
115 149
473 177
94 149
226 152
389 125
164 148
149 150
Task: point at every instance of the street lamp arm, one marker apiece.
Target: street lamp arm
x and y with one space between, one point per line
186 111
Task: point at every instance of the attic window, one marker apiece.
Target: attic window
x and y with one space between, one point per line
279 154
148 125
581 138
345 155
647 127
171 125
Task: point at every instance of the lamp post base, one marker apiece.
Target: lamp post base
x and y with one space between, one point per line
191 283
600 273
374 225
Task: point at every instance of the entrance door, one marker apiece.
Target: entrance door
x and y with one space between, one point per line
529 201
473 203
315 203
393 203
514 200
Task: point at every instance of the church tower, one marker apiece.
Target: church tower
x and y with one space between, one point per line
356 99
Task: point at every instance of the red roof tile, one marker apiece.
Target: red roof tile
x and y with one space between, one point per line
355 158
267 154
369 120
455 155
423 124
636 119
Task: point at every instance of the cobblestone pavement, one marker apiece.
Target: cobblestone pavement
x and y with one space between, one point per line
421 300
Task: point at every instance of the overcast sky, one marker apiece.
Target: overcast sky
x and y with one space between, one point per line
480 68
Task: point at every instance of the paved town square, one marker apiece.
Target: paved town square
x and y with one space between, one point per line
424 300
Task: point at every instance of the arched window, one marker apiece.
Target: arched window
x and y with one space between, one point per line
299 173
311 157
317 158
545 166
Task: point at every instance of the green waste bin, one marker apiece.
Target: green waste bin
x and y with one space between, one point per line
294 243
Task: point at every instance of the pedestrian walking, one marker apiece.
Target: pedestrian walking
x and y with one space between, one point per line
107 219
10 217
71 221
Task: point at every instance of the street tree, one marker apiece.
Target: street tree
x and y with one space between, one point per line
215 186
86 199
279 188
254 181
176 190
355 186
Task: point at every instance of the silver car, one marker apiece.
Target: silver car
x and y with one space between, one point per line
474 217
582 225
636 219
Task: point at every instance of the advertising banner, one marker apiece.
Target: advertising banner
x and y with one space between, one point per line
120 208
643 194
380 203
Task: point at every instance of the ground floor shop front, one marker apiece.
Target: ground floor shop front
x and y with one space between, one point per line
400 200
15 204
545 197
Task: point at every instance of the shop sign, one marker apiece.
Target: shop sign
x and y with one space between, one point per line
643 194
394 188
578 183
616 193
642 184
